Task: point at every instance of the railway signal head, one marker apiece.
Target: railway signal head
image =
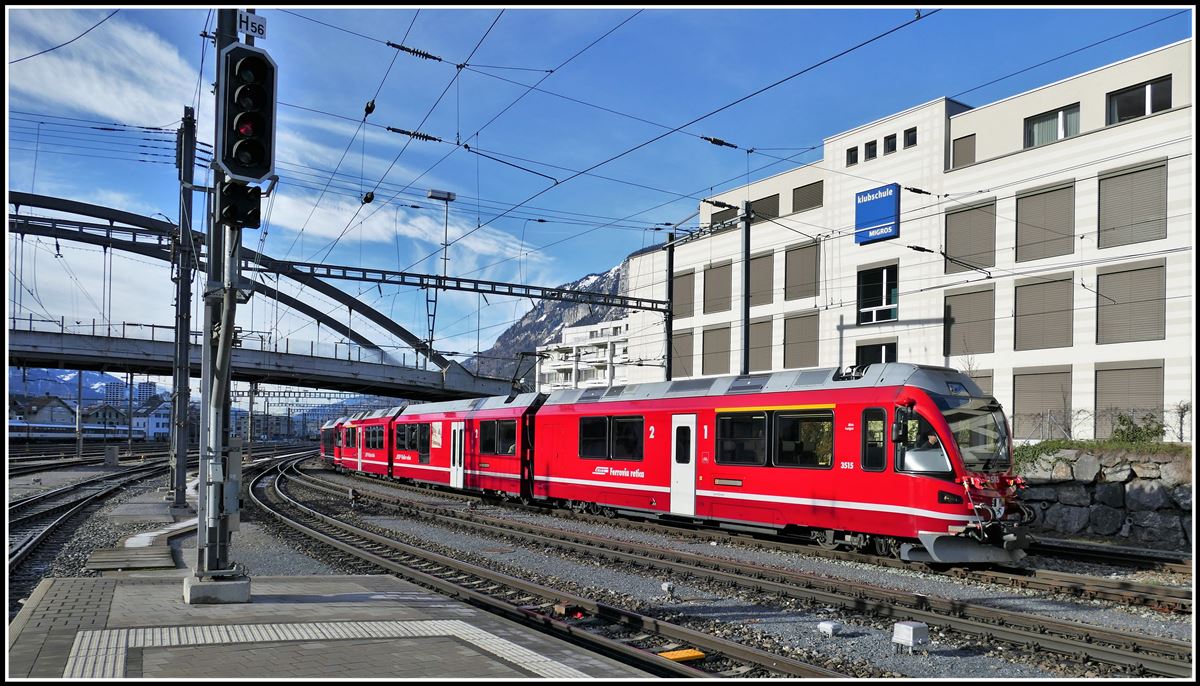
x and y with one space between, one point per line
246 113
241 205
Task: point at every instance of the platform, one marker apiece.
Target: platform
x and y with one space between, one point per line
295 627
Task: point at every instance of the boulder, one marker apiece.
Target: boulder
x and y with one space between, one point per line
1143 494
1104 520
1112 495
1182 495
1175 473
1040 493
1187 529
1118 474
1145 470
1110 460
1162 528
1162 458
1074 494
1066 518
1086 468
1039 469
1061 471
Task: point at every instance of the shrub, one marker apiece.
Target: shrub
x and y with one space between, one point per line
1127 429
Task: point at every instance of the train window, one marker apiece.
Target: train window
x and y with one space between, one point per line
401 443
921 450
350 442
337 439
410 436
683 444
874 423
423 443
804 440
378 437
742 438
487 438
593 437
627 433
506 437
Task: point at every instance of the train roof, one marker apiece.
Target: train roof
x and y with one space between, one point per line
522 400
332 423
927 377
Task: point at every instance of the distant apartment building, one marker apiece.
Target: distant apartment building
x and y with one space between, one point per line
115 392
1042 243
590 356
155 418
145 391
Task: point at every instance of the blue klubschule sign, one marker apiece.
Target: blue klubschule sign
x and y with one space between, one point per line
877 214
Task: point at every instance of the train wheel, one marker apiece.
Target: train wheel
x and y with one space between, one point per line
884 546
826 539
609 512
593 508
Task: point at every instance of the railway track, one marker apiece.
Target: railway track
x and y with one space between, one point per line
1157 596
1141 655
1176 563
639 638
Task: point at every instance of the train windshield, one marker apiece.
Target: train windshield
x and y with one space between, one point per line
979 429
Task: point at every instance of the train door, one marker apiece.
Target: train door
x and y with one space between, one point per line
358 444
683 464
456 454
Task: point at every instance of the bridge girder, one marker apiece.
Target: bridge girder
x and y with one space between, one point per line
167 231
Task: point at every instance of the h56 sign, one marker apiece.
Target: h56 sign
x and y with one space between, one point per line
251 24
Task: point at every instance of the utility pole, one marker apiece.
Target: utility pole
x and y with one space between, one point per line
670 300
431 294
250 421
185 159
745 222
130 407
79 416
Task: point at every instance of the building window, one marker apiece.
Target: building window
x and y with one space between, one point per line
971 238
764 208
1046 224
681 354
802 272
683 295
721 217
1045 315
970 326
718 282
963 151
715 358
1131 305
762 279
760 346
910 137
889 144
801 335
870 150
1140 100
1042 405
808 196
852 156
1052 126
878 294
1133 206
1135 391
874 353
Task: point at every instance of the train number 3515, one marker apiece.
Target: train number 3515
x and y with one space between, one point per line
847 465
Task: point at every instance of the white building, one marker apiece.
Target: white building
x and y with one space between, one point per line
587 357
145 391
155 419
114 392
1045 246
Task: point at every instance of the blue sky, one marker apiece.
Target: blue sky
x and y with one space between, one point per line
656 70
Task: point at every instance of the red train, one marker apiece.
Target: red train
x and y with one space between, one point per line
901 459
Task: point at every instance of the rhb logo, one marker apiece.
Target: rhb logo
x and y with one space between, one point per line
600 471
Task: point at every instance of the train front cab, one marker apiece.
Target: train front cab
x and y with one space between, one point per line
331 439
375 441
347 453
970 465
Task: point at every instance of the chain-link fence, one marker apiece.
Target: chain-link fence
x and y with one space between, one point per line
1176 422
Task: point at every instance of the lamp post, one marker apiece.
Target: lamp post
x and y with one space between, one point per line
431 294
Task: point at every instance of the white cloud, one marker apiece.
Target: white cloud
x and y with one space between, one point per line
121 71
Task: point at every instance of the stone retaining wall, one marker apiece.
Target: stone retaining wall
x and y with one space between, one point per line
1143 500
